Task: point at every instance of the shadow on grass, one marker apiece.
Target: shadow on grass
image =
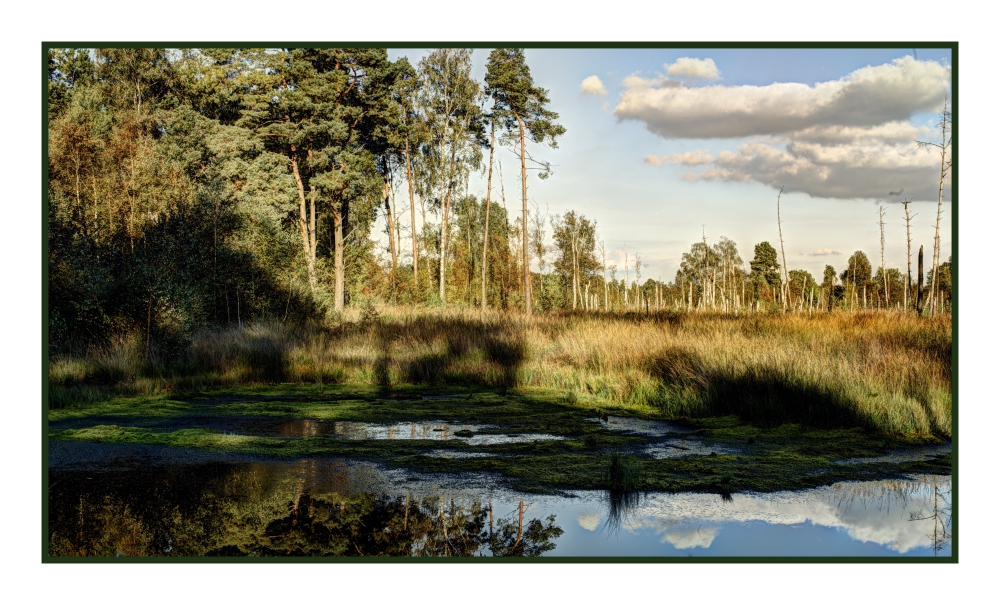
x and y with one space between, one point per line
764 397
475 353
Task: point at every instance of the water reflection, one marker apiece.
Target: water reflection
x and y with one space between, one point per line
911 516
429 430
370 525
335 507
678 448
640 426
305 508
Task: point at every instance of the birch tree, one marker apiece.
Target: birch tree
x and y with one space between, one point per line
449 99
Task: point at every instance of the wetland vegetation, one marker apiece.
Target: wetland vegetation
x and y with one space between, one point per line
216 290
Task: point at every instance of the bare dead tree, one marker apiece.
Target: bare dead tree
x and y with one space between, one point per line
638 265
625 283
881 228
784 266
944 146
920 280
909 276
704 268
604 275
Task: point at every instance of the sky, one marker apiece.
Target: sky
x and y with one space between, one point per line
662 145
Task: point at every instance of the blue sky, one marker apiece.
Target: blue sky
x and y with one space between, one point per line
837 145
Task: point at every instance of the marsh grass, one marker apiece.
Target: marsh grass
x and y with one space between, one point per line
885 371
623 474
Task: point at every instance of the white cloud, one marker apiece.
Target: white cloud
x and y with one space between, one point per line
890 132
875 511
693 158
691 537
856 170
822 252
637 81
592 85
870 96
849 138
589 521
686 67
688 158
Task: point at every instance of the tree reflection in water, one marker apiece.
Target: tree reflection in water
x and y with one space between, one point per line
940 514
365 525
371 525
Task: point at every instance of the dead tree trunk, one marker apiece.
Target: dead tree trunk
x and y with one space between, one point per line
920 281
781 240
909 276
944 146
885 278
604 275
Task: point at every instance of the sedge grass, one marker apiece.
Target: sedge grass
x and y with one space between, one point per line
885 371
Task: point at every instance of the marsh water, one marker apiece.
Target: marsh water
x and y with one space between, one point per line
136 500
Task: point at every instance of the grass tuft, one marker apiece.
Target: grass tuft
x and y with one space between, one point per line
623 473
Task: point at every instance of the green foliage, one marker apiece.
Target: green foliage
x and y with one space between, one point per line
510 85
800 284
552 292
858 272
576 262
764 266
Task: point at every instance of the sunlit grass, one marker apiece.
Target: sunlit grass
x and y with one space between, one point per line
886 371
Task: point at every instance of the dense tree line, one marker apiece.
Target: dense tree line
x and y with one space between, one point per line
201 187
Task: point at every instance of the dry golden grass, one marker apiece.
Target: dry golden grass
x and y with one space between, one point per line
886 371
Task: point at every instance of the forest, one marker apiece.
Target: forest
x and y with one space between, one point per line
221 217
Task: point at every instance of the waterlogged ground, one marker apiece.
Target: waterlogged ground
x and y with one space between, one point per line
349 472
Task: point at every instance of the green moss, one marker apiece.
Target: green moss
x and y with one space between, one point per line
750 457
158 406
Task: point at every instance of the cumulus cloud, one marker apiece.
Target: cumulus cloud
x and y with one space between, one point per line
821 252
592 85
869 96
688 158
856 170
691 537
686 67
589 521
849 138
693 158
875 511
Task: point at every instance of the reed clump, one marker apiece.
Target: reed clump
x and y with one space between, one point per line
623 474
885 371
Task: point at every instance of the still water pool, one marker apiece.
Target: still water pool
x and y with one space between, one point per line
148 501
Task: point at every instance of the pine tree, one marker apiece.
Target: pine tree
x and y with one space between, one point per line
521 106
